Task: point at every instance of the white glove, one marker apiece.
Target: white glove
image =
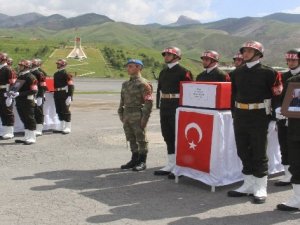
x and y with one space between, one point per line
68 100
39 101
8 101
14 94
279 116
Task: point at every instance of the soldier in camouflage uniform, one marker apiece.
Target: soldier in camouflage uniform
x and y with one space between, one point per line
134 112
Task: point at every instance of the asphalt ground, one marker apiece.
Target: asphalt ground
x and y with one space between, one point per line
75 179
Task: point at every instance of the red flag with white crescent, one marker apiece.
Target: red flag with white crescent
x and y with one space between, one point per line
194 140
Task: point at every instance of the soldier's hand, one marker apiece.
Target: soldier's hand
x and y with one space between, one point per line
8 101
39 101
14 94
68 100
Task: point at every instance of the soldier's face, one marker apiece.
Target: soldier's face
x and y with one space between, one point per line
248 54
237 62
208 62
292 63
132 69
169 58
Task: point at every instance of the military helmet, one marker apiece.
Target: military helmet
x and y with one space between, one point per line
9 61
135 61
254 45
172 50
26 63
36 62
293 54
238 56
211 54
61 62
3 56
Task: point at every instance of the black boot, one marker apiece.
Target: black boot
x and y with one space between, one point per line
132 163
141 164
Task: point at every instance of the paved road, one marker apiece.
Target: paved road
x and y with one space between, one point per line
75 179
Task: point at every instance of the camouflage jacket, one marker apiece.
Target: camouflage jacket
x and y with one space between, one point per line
136 96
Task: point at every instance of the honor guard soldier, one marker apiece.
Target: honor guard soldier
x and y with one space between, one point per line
7 79
40 96
253 87
293 139
210 61
24 92
134 112
292 60
63 96
169 85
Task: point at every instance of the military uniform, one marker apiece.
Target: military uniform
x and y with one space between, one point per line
215 75
252 86
282 126
41 82
169 84
64 88
25 105
293 140
7 78
135 107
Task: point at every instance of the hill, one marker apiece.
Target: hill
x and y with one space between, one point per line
278 33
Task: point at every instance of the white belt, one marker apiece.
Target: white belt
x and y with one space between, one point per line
30 97
250 106
170 95
3 86
62 89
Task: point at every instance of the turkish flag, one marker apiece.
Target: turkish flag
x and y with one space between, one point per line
194 139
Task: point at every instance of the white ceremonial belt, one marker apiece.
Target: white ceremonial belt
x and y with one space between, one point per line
62 89
169 95
30 97
250 106
3 86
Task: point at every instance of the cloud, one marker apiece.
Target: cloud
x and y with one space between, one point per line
131 11
295 10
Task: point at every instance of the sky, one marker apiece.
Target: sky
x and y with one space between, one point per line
152 11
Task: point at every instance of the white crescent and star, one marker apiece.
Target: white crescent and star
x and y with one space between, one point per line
198 129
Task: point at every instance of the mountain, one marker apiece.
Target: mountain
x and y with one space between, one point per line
225 36
53 22
284 17
18 21
183 21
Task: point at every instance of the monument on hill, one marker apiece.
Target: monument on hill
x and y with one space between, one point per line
77 52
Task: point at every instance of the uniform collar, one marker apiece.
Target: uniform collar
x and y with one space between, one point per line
251 64
24 72
2 65
134 77
295 71
208 70
171 65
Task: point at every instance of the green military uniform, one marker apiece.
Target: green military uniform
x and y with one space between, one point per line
135 108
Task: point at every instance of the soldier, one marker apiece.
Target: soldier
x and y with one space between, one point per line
238 60
210 61
7 79
63 96
24 95
40 96
253 86
169 85
134 112
293 136
293 62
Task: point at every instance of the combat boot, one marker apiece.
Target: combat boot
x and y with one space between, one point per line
141 165
132 163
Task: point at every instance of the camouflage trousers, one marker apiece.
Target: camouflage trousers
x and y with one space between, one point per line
134 133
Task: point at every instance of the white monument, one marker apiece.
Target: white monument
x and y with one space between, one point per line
77 52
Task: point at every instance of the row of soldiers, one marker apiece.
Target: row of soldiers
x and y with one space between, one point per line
255 88
27 89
